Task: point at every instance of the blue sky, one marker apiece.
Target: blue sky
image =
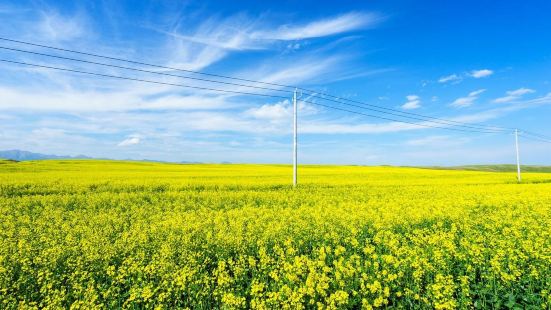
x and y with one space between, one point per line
471 61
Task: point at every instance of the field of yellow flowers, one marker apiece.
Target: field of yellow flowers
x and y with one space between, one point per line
107 234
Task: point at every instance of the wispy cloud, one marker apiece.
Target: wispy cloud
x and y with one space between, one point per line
481 73
215 38
450 78
128 97
414 102
457 78
55 27
514 95
231 33
281 110
436 141
271 112
241 33
468 100
303 68
321 28
499 112
130 141
317 127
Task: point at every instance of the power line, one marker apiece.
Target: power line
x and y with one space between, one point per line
413 117
311 92
143 63
395 120
243 93
141 80
323 96
139 70
229 83
535 138
535 134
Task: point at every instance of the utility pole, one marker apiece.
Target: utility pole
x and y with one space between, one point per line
295 138
518 156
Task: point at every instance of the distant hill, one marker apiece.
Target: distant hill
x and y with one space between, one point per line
25 155
498 168
19 155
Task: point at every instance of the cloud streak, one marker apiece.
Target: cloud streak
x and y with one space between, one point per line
513 95
457 78
129 141
241 33
468 100
55 27
450 78
477 74
414 102
321 28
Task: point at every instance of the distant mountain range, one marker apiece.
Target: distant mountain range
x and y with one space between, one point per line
24 155
20 155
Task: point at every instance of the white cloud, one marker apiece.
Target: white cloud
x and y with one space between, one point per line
481 73
241 33
232 33
215 38
463 101
520 92
128 97
273 112
307 68
322 28
476 92
414 102
319 127
280 112
55 27
514 95
436 141
130 141
450 78
456 78
469 100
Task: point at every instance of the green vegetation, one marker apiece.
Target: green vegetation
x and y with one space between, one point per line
498 168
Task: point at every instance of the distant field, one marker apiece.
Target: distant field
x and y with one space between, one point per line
498 168
114 234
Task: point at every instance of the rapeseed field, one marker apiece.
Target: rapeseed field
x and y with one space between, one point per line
105 234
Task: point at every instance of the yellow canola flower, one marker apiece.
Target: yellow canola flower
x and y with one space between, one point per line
102 234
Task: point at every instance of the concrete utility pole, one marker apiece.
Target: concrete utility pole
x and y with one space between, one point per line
295 138
518 156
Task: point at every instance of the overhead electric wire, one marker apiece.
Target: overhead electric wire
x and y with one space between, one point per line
535 138
315 94
139 70
244 93
376 109
395 120
412 117
206 80
140 80
311 92
212 89
143 63
535 134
